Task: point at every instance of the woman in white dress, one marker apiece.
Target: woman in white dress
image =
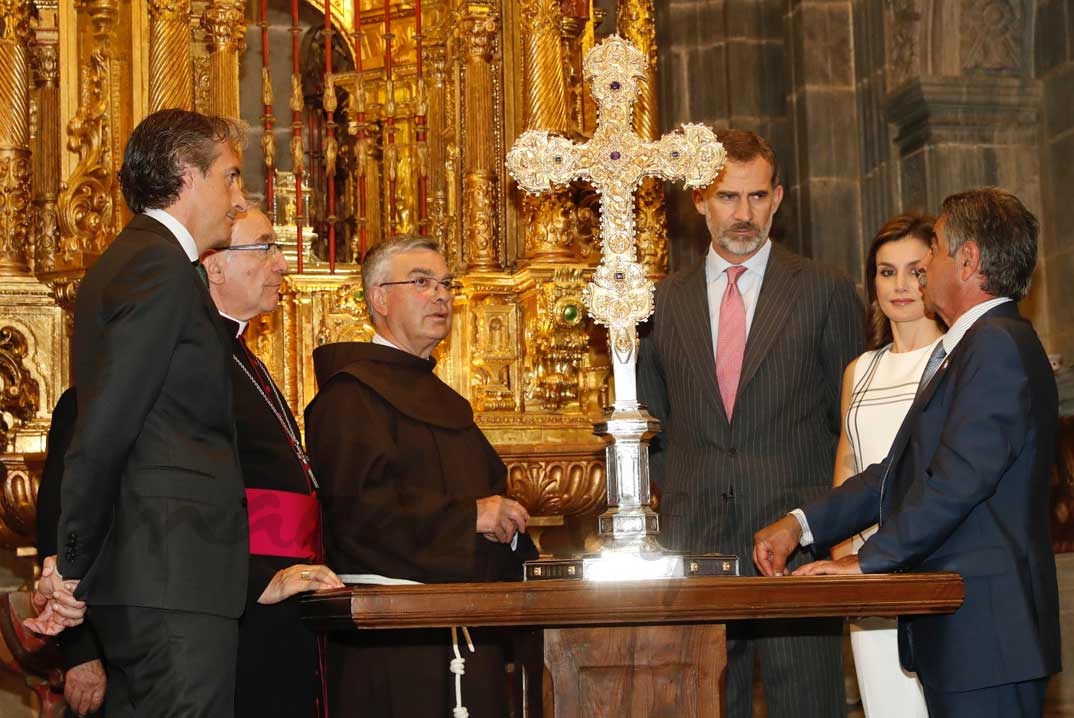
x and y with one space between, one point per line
878 388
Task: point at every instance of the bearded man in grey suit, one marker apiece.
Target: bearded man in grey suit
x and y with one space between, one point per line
742 363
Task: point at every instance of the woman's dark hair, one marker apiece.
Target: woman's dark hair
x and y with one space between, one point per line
901 226
163 146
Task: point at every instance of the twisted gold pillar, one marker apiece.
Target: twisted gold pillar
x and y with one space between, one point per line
15 173
480 181
547 217
635 23
171 81
225 22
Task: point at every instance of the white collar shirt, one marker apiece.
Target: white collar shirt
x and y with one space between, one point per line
181 233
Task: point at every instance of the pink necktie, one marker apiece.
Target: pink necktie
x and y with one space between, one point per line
731 342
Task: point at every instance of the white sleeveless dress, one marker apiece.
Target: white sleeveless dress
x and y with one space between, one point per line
883 390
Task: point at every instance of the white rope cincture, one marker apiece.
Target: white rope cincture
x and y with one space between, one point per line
458 667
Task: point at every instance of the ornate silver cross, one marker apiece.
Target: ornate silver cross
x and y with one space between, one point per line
620 295
615 161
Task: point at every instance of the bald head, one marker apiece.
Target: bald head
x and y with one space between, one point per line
245 277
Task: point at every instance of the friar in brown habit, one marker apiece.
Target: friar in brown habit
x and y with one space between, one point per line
411 489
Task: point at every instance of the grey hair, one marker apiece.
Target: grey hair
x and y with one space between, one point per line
1004 230
378 262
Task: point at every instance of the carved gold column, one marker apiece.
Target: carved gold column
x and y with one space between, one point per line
225 22
171 81
547 218
437 83
88 203
480 180
46 149
15 172
636 24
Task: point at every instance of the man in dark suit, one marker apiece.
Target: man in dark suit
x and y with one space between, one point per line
153 523
742 364
965 487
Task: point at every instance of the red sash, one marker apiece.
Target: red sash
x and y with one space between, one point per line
284 523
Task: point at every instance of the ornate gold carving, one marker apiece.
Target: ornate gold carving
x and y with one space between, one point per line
18 498
557 340
46 65
15 22
202 102
561 481
16 213
480 221
171 83
225 22
65 291
494 354
86 204
20 395
549 221
46 229
614 162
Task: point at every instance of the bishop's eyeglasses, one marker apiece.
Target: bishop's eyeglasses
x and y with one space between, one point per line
267 248
428 285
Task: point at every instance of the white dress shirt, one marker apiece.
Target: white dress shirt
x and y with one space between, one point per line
749 285
181 233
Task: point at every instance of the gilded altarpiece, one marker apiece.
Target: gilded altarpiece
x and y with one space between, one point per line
410 146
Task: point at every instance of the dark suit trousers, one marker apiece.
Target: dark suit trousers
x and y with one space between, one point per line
801 667
1010 700
167 664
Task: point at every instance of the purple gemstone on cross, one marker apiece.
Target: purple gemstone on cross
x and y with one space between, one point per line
675 154
615 85
615 155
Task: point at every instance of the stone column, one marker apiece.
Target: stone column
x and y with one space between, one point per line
635 23
480 187
171 81
1054 65
15 170
225 22
822 177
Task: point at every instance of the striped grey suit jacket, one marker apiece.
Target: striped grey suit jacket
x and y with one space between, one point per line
720 481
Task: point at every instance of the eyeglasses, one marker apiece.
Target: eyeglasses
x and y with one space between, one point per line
427 285
266 247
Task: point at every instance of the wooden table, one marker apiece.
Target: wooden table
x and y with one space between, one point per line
643 648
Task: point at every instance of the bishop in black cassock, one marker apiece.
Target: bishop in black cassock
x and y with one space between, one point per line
278 659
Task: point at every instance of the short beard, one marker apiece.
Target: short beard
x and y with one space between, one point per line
740 247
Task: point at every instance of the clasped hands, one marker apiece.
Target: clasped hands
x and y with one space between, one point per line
499 518
774 544
54 601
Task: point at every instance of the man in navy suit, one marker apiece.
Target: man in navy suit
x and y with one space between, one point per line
965 487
